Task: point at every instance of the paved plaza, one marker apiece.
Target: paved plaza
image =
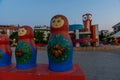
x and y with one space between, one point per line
97 65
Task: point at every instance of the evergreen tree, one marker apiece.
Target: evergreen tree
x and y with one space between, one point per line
14 35
39 36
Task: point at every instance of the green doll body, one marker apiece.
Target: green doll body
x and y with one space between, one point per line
25 50
60 48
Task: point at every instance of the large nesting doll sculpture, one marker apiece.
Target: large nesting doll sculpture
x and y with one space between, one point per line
60 48
87 21
25 50
5 51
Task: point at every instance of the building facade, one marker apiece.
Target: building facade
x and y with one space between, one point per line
88 34
81 35
8 29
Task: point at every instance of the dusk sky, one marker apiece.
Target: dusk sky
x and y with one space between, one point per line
106 13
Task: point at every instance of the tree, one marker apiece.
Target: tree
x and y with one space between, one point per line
38 36
118 29
14 35
101 37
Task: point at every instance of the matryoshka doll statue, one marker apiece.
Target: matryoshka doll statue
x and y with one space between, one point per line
5 51
26 51
60 48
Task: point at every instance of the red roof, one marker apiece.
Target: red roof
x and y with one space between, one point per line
10 27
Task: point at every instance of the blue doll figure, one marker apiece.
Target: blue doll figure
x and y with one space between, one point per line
60 48
26 51
5 51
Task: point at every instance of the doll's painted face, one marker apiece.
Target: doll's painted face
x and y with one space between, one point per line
22 32
57 22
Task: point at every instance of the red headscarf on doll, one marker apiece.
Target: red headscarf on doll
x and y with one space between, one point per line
28 32
63 28
25 33
4 44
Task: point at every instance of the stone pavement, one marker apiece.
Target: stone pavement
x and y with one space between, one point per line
97 65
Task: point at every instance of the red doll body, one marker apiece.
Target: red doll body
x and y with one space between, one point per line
60 48
26 51
28 37
5 50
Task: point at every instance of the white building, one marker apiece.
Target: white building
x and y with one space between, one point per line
8 29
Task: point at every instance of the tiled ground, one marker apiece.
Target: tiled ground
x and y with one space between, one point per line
97 65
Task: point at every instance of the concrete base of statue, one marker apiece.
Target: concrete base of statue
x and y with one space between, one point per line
40 72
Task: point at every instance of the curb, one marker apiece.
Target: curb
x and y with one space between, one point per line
96 48
89 48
